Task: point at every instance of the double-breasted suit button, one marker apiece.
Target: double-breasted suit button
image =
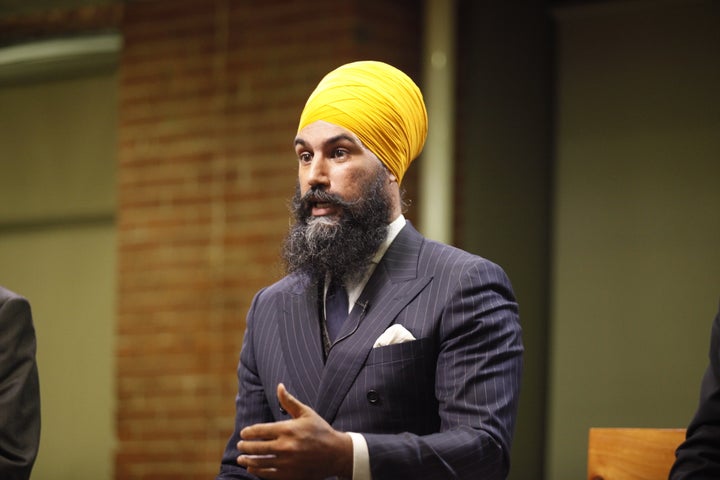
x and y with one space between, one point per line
373 397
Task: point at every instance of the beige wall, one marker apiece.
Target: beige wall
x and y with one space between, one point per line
57 142
57 248
637 224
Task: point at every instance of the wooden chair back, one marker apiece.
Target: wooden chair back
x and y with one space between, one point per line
632 453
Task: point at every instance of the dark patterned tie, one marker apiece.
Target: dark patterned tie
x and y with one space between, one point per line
336 309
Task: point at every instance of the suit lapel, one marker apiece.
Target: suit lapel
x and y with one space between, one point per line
299 331
390 288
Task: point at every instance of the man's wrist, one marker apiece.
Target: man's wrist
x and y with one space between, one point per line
344 456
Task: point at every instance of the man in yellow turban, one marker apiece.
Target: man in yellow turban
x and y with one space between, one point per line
404 355
384 108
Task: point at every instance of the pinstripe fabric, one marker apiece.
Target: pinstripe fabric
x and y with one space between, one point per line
440 407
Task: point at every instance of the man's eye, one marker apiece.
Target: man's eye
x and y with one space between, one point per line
304 157
340 153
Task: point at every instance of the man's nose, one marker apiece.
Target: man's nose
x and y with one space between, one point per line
318 174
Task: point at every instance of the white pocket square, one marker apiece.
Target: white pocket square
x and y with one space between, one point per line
395 334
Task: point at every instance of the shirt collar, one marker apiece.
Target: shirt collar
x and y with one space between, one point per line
393 229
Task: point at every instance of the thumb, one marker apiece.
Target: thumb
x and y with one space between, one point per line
291 404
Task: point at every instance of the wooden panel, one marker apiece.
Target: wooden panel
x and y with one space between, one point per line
632 453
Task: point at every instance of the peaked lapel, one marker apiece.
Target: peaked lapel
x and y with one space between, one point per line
299 332
390 288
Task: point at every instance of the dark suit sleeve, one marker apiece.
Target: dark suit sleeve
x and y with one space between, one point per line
19 389
250 404
698 457
477 383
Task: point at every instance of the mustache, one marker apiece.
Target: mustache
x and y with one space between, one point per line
314 196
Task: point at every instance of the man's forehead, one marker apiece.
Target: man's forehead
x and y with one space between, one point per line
323 132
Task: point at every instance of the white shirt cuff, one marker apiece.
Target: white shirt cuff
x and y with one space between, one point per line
361 457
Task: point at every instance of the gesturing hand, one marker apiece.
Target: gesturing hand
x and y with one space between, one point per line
305 447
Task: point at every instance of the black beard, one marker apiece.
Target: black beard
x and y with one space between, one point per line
340 247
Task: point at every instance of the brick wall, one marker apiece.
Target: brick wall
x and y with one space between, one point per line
210 92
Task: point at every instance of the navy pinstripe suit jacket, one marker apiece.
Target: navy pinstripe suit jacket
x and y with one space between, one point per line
440 407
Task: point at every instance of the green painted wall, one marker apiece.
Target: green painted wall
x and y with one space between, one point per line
504 154
57 248
589 156
636 255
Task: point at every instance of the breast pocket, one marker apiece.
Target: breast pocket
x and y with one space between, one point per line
399 384
414 349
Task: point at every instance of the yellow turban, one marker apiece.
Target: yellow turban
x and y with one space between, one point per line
379 104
